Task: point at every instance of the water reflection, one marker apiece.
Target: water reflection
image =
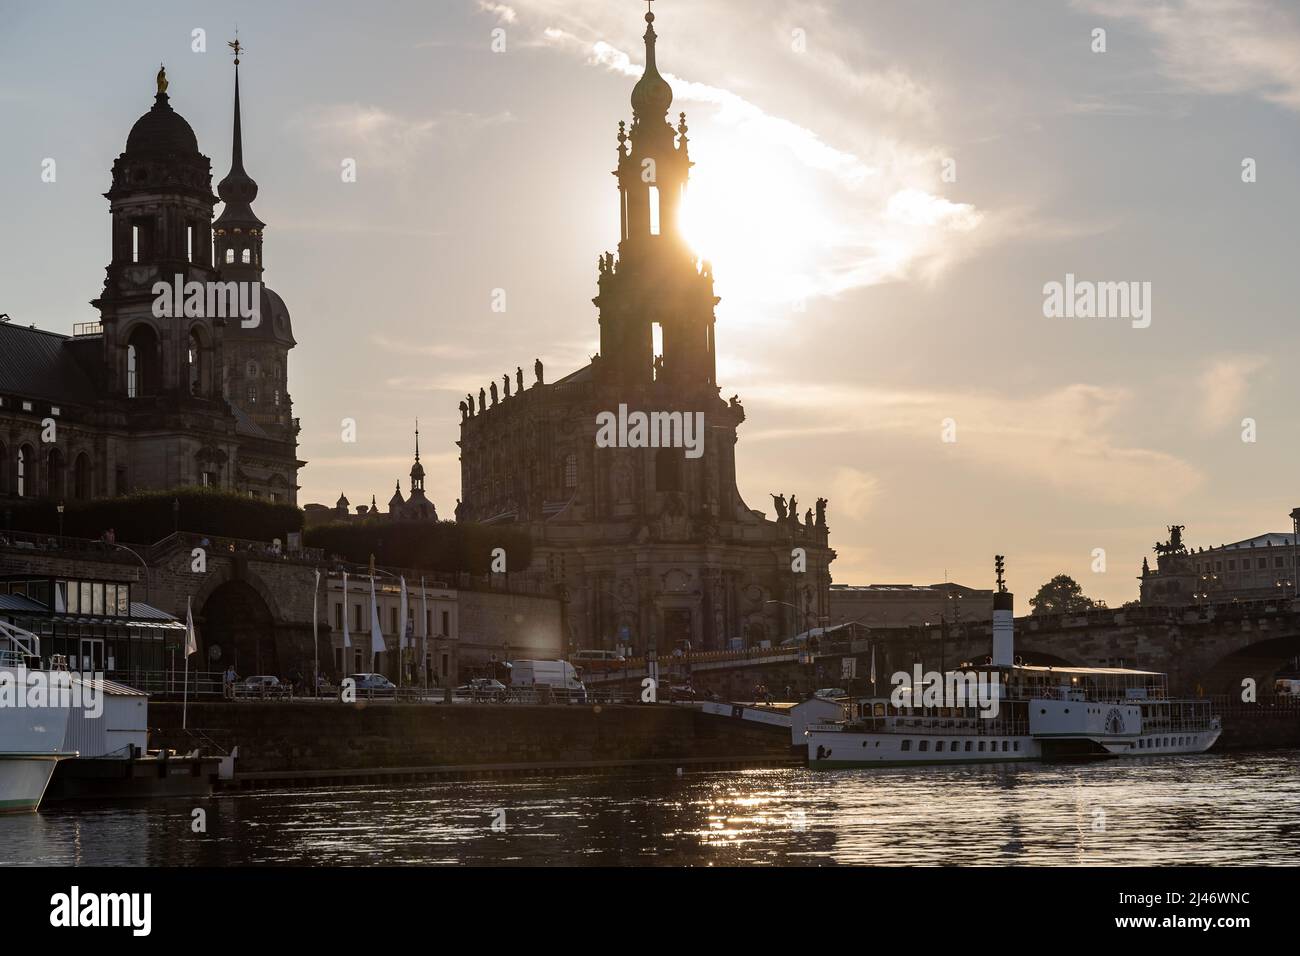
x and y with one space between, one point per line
1215 809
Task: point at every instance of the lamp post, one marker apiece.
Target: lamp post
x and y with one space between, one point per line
1295 534
59 508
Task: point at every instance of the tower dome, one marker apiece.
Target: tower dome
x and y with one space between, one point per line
162 130
652 95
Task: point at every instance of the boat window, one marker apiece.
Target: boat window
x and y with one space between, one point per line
907 745
938 745
925 745
1017 745
968 743
1004 746
954 746
981 746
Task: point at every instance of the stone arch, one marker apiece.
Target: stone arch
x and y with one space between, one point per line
1260 660
199 360
236 619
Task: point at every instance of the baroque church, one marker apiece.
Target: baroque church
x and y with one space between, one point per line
649 547
142 402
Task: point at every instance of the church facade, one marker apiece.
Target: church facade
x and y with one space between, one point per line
641 526
154 396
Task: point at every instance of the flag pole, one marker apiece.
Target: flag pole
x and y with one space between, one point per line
315 638
189 643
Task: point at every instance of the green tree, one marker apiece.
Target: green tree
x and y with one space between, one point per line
1061 595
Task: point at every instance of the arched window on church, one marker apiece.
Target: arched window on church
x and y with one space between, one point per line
230 255
81 477
252 369
26 459
54 475
570 472
132 372
247 257
668 473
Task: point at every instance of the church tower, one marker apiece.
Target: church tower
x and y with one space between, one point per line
161 206
655 279
256 372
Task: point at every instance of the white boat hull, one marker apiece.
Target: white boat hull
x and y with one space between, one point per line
829 749
31 744
23 779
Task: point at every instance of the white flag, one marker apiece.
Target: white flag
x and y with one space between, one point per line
401 621
377 645
347 639
191 641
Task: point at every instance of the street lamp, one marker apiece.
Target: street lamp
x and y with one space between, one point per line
59 508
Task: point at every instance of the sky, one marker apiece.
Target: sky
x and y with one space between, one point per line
885 191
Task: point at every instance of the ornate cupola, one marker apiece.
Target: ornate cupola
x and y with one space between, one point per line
238 231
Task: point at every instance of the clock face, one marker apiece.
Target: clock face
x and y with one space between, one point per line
1115 721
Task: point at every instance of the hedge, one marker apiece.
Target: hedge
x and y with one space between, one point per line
148 516
434 546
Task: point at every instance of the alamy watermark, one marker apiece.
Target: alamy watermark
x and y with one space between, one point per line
639 429
57 689
1084 299
213 300
954 689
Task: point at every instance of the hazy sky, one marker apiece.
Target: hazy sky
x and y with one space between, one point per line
866 297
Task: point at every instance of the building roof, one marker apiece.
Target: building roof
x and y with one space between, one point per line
17 602
1269 539
39 364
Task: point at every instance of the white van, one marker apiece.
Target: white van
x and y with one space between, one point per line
597 660
559 676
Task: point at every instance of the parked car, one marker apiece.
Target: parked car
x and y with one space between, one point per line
684 692
830 693
374 685
261 685
484 688
597 660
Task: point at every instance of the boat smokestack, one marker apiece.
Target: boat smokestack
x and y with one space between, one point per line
1004 618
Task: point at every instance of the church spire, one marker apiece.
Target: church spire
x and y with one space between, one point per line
417 469
238 230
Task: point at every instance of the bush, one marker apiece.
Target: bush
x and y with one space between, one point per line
148 516
434 546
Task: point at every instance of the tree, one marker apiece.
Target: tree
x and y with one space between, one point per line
1061 595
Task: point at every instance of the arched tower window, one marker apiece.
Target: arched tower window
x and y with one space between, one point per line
570 472
230 255
142 362
195 359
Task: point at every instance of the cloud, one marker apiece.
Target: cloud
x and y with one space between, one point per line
1223 389
1222 47
854 492
1064 439
381 139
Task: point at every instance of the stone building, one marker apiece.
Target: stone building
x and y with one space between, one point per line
416 506
909 605
1254 569
641 526
154 397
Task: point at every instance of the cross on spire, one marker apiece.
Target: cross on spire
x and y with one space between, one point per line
235 46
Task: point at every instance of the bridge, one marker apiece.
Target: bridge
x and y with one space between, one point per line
1208 648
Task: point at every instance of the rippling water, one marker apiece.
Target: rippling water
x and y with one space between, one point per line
1210 809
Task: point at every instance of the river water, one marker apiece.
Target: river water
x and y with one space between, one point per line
1231 808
